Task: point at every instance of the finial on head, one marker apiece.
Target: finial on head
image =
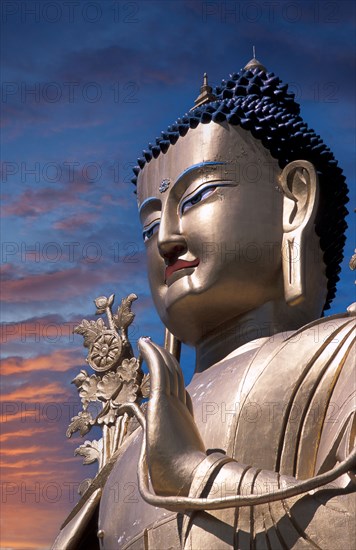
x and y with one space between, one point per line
206 95
254 63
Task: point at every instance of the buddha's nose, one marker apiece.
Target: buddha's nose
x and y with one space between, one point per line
172 250
171 242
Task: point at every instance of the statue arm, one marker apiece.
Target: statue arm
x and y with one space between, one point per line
318 516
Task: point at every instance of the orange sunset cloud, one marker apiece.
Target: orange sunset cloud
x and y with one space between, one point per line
59 360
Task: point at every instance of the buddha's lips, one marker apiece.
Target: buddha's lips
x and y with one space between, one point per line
179 264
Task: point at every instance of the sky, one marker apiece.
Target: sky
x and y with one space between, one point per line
85 87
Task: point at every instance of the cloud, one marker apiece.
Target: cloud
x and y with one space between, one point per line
19 434
58 361
15 116
50 328
137 65
49 392
7 272
24 463
105 64
56 285
32 449
27 462
99 267
35 202
75 222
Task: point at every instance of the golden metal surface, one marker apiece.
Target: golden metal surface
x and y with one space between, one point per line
205 95
258 452
119 381
254 63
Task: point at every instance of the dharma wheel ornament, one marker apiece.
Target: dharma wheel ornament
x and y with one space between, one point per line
105 352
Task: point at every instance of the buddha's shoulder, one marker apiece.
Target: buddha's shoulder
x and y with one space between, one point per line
317 335
326 326
323 340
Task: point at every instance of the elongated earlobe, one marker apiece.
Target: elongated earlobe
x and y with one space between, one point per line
299 182
293 269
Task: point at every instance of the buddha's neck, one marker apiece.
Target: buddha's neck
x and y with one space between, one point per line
259 323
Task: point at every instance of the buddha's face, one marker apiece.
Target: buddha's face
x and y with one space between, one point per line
211 211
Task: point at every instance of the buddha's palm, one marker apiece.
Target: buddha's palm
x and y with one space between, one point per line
174 445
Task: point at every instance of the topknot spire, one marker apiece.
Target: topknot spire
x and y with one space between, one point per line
254 63
206 94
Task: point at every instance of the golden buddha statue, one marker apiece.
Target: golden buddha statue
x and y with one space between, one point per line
242 208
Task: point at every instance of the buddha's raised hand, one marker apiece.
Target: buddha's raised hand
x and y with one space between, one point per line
174 445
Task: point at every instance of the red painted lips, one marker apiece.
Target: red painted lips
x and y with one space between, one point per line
179 264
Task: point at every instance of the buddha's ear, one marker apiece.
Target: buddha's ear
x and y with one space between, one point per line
299 182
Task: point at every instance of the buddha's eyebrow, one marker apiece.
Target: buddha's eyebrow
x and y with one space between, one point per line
196 167
181 176
146 203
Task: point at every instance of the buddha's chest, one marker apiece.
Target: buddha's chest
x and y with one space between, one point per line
254 407
220 399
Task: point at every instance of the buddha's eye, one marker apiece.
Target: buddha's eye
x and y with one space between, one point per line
150 231
198 197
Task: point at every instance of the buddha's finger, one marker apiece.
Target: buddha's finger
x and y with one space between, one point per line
159 374
180 379
169 360
177 375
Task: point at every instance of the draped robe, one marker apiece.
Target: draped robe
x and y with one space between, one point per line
284 407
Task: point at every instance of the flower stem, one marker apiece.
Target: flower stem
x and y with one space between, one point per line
106 444
122 429
110 318
117 432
